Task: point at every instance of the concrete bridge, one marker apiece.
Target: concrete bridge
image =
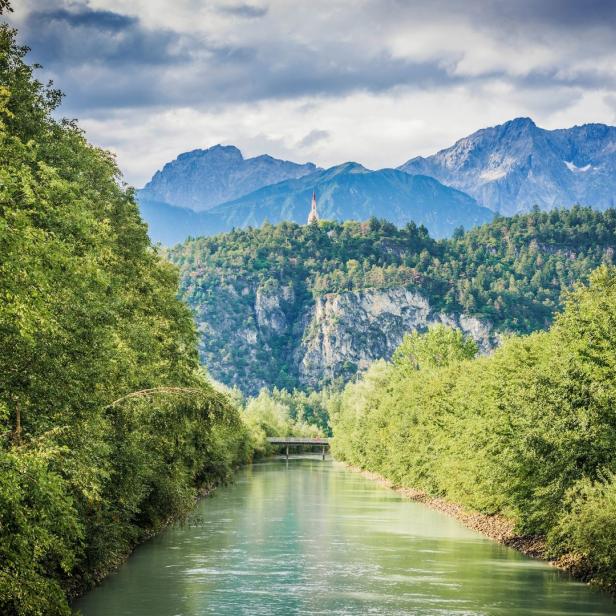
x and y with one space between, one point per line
287 441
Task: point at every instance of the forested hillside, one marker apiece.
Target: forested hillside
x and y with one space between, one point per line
108 428
528 432
262 297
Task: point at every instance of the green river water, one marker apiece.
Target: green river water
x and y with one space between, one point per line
310 537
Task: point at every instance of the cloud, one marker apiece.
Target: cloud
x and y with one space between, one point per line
381 79
247 11
106 58
312 138
67 39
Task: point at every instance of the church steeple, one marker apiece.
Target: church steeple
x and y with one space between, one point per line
313 216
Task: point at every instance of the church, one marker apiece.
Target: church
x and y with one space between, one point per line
313 216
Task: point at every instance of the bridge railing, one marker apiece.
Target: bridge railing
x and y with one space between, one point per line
286 441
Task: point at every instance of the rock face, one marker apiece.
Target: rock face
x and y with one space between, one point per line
346 332
274 331
271 308
512 167
201 179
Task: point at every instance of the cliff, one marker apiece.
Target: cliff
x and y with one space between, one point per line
346 332
292 305
325 340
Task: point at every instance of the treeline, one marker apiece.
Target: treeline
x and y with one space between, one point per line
108 428
511 271
281 413
529 432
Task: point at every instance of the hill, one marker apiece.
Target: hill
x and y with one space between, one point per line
512 167
292 305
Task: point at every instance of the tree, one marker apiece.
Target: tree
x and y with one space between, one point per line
440 346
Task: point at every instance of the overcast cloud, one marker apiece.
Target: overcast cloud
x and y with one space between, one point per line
376 81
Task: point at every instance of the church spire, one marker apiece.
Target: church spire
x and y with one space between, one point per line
313 216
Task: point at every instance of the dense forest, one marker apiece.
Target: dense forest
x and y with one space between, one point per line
528 432
510 273
108 427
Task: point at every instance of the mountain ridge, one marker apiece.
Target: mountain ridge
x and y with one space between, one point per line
202 178
345 192
514 166
350 191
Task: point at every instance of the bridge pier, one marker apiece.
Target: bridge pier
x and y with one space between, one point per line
323 452
287 452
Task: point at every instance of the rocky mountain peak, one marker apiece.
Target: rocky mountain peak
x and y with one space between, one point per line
511 167
203 178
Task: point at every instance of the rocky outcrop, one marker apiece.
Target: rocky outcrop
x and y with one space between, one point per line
202 179
346 332
269 332
272 303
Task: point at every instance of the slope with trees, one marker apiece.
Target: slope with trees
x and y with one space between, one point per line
509 273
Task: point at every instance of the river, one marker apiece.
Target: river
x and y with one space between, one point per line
310 537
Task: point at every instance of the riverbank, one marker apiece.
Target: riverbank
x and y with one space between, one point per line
496 527
81 586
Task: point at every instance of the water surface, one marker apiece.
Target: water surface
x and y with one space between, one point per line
313 538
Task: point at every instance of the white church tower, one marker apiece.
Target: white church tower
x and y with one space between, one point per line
313 216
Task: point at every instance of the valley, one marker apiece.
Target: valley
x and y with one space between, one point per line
443 331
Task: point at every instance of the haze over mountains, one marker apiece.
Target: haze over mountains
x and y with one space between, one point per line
345 192
506 169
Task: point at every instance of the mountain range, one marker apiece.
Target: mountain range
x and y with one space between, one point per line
344 192
512 167
505 169
350 191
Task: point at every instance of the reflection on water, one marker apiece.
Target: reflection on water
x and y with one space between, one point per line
312 538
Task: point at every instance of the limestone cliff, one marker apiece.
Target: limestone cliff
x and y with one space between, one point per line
346 332
311 342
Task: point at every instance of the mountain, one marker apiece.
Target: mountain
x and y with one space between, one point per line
512 167
169 224
302 305
345 192
202 179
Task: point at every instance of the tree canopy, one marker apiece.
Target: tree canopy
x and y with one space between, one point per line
88 316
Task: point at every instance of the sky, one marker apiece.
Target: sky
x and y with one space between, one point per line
327 81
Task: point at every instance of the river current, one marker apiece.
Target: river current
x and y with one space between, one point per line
310 537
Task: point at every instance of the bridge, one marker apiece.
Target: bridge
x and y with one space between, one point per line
287 441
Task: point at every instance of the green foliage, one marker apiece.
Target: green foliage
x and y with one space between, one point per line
440 346
588 526
88 314
510 272
528 432
279 414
